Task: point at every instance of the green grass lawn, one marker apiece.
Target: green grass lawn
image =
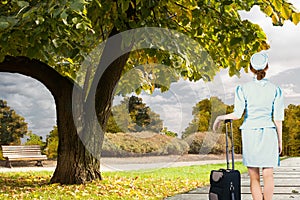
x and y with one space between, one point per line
151 184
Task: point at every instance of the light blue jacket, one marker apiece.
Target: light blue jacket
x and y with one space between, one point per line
262 102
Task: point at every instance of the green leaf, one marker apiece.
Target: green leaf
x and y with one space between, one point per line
75 20
79 25
268 10
64 15
54 41
261 35
3 25
138 2
22 4
39 20
125 5
77 5
277 4
235 41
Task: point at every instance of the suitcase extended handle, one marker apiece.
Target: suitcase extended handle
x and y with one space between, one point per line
232 143
228 120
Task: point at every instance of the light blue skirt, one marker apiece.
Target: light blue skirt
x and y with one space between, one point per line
260 147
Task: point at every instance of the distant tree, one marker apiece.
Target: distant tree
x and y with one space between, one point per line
112 125
119 120
12 126
35 140
52 143
205 112
291 131
142 117
132 115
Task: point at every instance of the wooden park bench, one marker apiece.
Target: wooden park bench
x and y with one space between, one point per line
23 153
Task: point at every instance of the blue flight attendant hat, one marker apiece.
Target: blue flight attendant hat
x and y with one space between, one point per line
259 60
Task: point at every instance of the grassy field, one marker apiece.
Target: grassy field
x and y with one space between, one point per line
154 184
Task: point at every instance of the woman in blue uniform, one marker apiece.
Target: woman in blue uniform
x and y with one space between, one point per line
263 105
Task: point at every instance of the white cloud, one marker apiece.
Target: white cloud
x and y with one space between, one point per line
284 40
289 91
30 99
296 4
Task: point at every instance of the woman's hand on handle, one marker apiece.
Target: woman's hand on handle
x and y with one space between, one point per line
217 124
220 118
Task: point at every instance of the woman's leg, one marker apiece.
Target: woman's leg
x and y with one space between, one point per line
268 183
255 183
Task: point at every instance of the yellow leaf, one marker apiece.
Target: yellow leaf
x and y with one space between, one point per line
189 15
275 18
296 18
268 10
286 12
265 46
277 4
84 11
70 60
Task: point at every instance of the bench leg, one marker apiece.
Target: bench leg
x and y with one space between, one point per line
8 164
39 163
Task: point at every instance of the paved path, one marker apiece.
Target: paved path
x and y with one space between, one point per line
287 184
154 165
105 167
131 163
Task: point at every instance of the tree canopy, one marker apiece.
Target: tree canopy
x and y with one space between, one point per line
62 33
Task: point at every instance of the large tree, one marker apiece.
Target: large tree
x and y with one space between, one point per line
291 131
205 113
51 40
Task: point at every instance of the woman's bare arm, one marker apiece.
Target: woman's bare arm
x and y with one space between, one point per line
278 125
221 118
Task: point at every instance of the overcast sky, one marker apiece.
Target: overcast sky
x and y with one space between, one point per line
33 101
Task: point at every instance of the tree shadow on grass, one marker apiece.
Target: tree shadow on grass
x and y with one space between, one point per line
23 180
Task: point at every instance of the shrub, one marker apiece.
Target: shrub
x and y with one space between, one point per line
141 144
1 155
52 144
206 142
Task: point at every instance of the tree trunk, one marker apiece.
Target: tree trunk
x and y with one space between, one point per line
109 79
75 164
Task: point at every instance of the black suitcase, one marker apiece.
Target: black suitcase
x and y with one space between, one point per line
225 184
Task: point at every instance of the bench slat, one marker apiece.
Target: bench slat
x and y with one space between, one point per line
22 152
